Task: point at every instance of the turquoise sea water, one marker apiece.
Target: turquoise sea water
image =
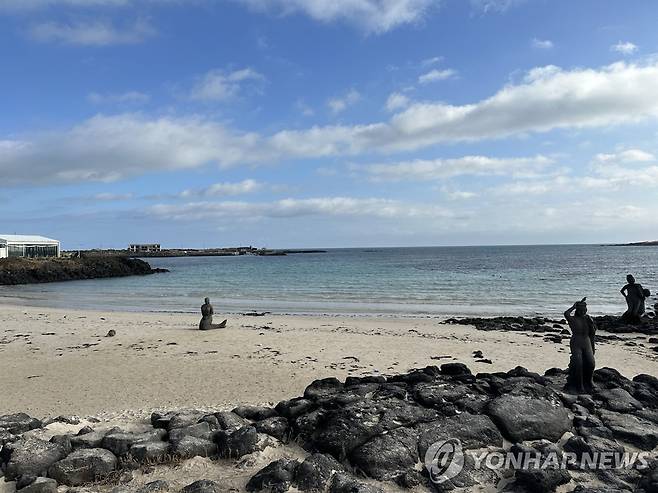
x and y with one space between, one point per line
436 281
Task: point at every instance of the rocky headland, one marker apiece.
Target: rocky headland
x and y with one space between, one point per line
27 270
361 435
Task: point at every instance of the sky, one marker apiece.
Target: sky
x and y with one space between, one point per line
329 123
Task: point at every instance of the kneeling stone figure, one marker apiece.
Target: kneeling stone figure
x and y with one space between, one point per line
207 311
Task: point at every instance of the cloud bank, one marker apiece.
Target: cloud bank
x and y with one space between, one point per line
548 98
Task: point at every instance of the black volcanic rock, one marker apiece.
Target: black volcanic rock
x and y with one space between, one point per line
388 456
315 473
526 418
27 271
18 423
31 456
276 477
381 428
83 466
277 427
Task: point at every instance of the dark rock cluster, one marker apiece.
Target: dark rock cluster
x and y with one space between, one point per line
365 432
608 323
27 271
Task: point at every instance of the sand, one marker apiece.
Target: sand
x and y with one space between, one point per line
55 361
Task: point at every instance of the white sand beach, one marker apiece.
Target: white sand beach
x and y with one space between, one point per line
56 361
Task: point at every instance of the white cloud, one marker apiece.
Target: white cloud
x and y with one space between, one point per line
304 108
374 16
626 156
397 101
92 33
438 169
286 208
625 48
460 195
487 6
130 97
437 75
631 169
112 197
219 85
106 147
223 189
431 61
338 105
542 44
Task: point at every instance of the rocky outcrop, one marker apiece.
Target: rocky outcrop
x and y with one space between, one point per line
366 433
555 329
28 271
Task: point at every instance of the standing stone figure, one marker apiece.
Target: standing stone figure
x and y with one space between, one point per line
581 365
207 311
635 296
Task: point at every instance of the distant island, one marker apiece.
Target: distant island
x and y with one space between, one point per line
639 243
191 252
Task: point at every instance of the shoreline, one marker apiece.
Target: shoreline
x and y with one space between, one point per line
453 312
58 361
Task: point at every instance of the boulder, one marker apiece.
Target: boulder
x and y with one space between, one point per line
277 427
314 475
31 456
6 437
276 477
185 418
154 486
342 430
294 407
455 369
198 430
18 423
240 442
119 442
189 446
83 466
344 483
41 485
202 486
230 421
636 431
525 418
388 456
255 413
619 400
541 480
323 389
149 451
611 378
649 483
474 431
91 439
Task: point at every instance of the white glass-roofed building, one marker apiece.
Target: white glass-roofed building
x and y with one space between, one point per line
28 246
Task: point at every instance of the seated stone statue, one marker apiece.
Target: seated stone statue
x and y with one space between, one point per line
635 296
581 365
207 311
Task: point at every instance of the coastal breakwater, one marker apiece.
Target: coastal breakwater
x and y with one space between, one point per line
27 271
364 435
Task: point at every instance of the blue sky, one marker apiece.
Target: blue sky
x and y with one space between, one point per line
311 123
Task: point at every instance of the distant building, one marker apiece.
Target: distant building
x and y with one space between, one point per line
28 246
144 247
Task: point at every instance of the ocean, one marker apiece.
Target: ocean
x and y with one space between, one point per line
431 281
